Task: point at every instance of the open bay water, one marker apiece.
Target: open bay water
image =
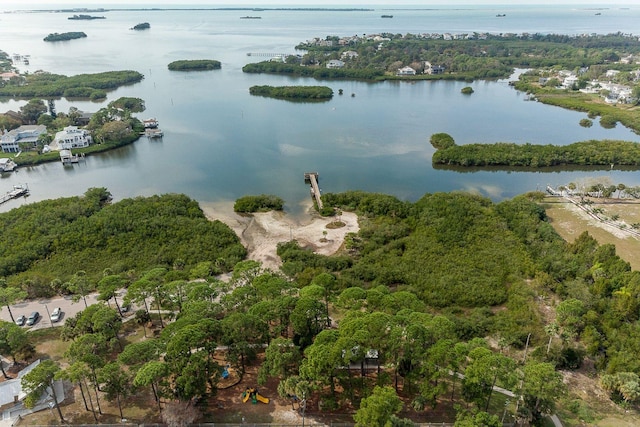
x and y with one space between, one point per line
221 143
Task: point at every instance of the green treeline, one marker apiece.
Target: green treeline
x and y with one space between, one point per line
56 238
293 92
425 285
43 85
56 37
318 73
459 250
589 103
466 57
194 65
586 153
261 203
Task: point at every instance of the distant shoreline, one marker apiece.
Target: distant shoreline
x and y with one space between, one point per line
160 9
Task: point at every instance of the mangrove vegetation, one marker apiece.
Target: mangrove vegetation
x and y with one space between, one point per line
296 93
587 153
48 85
194 65
56 37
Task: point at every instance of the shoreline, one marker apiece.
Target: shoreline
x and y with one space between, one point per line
261 232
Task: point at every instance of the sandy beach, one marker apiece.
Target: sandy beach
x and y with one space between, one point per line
260 233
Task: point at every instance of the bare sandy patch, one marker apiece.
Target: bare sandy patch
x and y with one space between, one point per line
570 220
260 233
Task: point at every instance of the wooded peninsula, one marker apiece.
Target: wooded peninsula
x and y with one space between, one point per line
587 153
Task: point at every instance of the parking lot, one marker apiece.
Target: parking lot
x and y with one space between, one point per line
45 307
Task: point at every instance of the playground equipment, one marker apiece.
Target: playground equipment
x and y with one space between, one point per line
252 393
225 372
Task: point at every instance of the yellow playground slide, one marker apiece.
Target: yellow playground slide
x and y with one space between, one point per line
262 398
252 393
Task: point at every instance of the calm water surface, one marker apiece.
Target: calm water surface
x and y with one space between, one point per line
220 143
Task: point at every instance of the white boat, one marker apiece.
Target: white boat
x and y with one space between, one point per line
67 158
7 165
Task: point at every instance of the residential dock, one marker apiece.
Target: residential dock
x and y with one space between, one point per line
18 191
312 178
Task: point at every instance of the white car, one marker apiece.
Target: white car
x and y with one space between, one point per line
56 315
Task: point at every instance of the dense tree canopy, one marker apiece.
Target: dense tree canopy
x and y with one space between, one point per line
88 233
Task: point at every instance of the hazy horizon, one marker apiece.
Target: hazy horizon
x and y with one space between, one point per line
16 4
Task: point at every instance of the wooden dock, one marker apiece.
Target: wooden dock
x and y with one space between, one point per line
312 178
18 191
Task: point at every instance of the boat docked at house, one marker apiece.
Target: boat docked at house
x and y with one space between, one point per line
154 133
68 158
18 190
150 123
7 165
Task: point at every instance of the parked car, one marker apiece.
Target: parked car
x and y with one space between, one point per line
56 314
21 320
33 318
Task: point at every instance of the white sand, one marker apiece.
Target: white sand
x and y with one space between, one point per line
261 232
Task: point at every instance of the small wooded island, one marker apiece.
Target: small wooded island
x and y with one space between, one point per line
141 26
586 153
195 65
56 37
294 93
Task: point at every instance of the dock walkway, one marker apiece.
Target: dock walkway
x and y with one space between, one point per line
18 191
312 178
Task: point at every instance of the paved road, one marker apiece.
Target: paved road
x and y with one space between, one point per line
69 309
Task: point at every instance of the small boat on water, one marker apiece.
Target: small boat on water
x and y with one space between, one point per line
386 16
7 165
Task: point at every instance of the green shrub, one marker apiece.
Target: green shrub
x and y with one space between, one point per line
261 203
442 141
608 122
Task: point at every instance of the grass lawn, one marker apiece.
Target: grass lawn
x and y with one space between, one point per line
570 223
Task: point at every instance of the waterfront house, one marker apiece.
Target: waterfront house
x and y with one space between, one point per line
406 71
71 137
25 136
84 118
335 63
8 76
432 69
14 115
349 54
569 81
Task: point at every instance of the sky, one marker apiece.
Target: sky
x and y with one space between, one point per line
306 3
